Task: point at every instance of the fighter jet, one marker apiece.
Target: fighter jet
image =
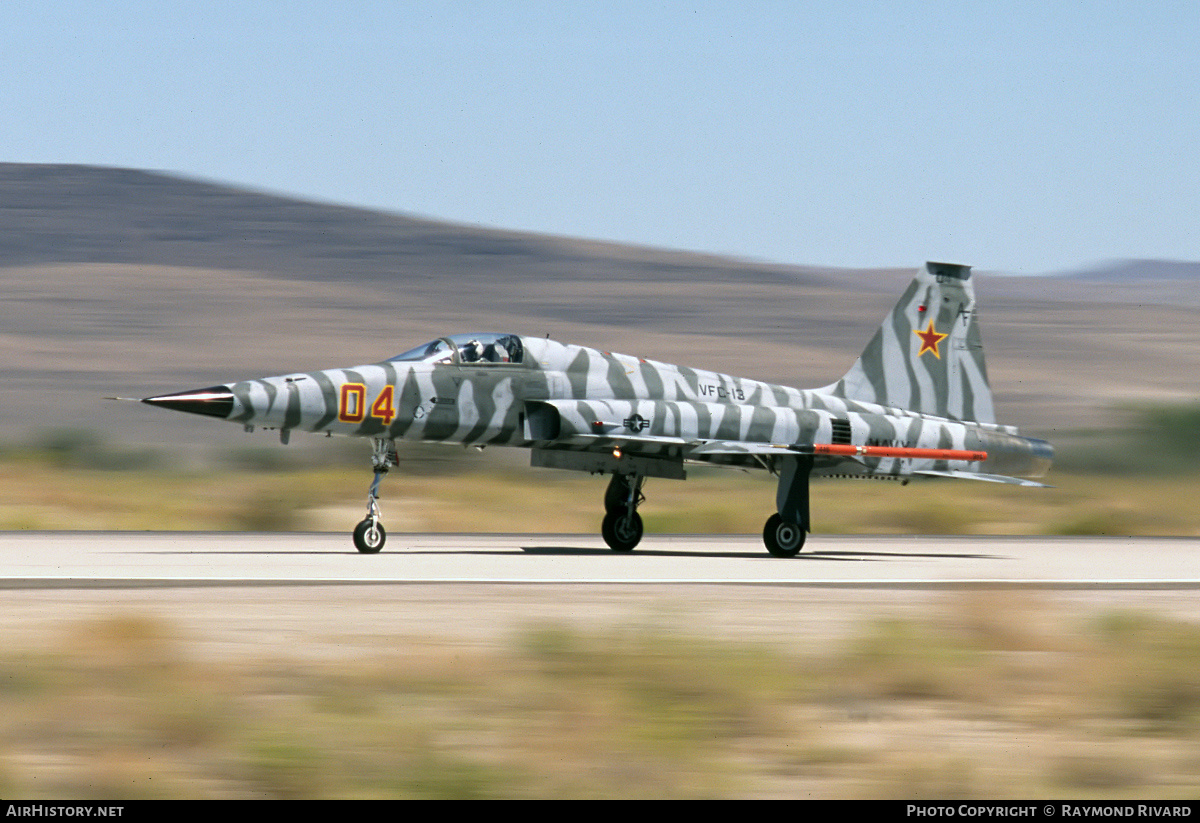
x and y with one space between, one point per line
916 404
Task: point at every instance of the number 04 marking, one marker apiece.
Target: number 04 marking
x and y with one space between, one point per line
383 407
352 404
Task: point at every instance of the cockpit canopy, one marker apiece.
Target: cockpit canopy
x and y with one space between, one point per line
476 347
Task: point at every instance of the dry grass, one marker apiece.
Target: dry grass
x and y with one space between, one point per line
987 696
39 493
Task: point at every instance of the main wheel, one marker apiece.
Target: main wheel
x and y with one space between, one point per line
369 536
622 530
783 538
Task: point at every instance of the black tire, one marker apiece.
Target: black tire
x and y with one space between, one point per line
369 536
783 538
622 531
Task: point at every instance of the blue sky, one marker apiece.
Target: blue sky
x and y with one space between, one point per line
1018 137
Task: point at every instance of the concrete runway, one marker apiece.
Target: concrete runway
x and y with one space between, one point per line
312 595
138 559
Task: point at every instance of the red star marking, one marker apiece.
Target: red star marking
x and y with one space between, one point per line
930 339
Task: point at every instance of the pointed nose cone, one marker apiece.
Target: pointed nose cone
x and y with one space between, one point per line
216 401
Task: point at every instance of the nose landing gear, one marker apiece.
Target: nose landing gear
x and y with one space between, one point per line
369 535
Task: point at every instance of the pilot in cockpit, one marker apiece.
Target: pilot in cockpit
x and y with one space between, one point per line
495 353
471 352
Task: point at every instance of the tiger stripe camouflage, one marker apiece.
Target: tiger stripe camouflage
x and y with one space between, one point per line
916 404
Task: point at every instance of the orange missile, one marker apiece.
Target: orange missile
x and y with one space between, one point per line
840 450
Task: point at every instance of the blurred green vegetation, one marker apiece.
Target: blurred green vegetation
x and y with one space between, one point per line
1153 440
1138 479
988 695
84 449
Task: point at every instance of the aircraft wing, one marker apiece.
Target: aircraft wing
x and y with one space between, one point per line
705 450
700 449
594 426
987 478
741 447
603 442
688 448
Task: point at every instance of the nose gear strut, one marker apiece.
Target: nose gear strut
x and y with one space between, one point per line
369 535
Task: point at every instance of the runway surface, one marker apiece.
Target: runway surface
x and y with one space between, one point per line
313 596
125 559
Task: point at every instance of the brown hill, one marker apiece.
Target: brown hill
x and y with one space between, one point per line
133 282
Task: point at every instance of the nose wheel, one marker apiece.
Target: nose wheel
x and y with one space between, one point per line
369 535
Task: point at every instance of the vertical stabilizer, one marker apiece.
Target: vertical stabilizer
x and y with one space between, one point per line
927 356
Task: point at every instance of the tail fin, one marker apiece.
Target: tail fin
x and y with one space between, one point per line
927 356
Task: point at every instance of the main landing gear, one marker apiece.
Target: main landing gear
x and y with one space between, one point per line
785 531
622 526
369 535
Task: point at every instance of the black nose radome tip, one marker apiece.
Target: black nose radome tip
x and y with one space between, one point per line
215 401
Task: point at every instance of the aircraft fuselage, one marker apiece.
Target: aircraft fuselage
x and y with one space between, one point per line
565 397
916 403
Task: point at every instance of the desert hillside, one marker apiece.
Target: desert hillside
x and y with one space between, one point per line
120 281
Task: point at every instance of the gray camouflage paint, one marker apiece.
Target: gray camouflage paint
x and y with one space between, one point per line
927 355
921 383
